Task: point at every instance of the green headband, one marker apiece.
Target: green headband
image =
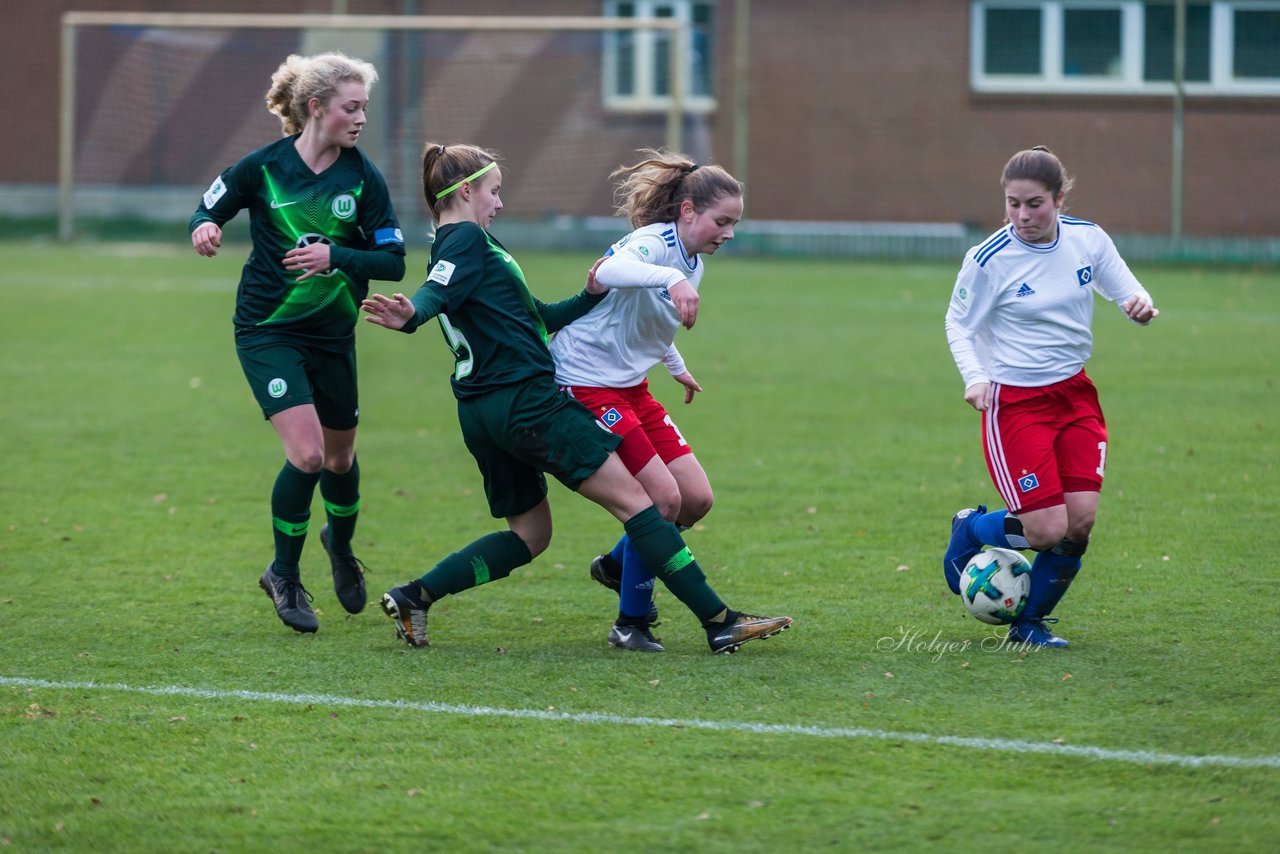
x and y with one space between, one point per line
474 175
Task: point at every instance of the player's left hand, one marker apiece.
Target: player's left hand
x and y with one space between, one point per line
691 386
391 312
1140 309
594 287
310 260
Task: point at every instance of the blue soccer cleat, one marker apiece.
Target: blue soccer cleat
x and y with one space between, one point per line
1036 633
963 546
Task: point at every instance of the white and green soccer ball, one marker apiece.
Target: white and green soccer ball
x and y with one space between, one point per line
995 585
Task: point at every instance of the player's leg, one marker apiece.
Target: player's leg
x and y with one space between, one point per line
1062 532
1017 442
516 491
340 492
300 433
696 496
672 477
635 584
490 558
277 375
664 551
338 406
620 569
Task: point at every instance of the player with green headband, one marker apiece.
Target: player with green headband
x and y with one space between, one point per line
517 423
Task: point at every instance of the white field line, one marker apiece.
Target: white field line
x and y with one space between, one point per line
1139 757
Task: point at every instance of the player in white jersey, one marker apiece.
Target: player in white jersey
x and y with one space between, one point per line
680 212
1019 327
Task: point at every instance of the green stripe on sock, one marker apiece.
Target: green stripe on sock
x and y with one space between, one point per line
679 560
342 512
481 570
291 529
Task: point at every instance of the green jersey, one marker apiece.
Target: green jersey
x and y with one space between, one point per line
495 327
347 206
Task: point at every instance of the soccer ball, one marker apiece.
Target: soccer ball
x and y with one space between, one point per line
995 584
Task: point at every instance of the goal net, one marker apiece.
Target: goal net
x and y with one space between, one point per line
154 106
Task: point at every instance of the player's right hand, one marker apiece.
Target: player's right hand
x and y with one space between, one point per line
206 239
685 299
978 396
393 312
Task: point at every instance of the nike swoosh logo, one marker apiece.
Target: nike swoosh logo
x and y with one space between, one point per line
275 204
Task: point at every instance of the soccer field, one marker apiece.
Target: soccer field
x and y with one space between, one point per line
151 700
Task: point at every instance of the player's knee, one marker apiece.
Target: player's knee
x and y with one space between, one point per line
668 503
309 460
1071 546
339 463
536 542
695 506
1080 529
1042 537
534 533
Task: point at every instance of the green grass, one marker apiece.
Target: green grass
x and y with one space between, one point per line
134 506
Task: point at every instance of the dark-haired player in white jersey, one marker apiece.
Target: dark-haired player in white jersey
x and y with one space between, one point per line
1019 327
322 226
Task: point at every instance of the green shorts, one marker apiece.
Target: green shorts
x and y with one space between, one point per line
286 372
518 433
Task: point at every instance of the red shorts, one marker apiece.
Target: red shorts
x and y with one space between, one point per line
1042 442
623 410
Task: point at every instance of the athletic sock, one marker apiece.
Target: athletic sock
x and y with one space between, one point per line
341 495
1051 575
636 594
489 558
619 548
998 528
663 550
417 594
728 615
291 515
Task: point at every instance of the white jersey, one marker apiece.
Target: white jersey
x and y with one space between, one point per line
634 327
1021 314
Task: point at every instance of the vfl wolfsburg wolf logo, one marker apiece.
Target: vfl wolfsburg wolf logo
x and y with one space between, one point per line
344 206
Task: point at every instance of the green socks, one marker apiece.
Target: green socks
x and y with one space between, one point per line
341 496
489 558
663 550
291 516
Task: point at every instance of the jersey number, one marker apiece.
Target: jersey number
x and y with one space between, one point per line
1102 458
675 430
458 344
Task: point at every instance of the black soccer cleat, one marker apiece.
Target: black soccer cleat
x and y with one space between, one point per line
637 637
291 599
410 614
739 628
348 576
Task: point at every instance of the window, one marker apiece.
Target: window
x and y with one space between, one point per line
637 63
1125 47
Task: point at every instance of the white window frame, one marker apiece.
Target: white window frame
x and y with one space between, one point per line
645 52
1129 81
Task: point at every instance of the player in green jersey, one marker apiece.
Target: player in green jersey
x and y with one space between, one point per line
515 420
322 226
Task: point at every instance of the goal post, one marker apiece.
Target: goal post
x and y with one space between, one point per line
153 105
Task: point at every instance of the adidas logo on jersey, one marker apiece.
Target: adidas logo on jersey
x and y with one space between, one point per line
1025 291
